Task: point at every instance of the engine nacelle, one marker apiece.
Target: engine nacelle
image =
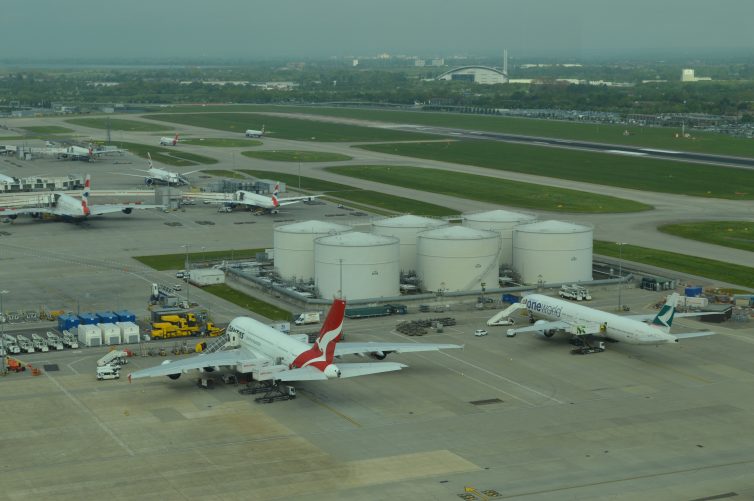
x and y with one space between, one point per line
127 210
332 371
544 333
148 181
12 217
379 355
208 369
174 376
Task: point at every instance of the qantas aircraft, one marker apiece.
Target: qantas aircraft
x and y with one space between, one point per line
169 141
161 176
70 208
559 315
270 355
255 133
264 203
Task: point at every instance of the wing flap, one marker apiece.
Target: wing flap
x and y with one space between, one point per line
346 348
307 373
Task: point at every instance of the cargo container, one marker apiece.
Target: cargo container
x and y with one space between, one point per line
695 291
107 317
125 316
110 333
88 319
376 311
89 335
207 276
68 322
692 302
129 332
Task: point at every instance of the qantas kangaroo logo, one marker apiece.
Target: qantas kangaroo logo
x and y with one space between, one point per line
322 353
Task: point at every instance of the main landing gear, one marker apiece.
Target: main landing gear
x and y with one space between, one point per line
271 389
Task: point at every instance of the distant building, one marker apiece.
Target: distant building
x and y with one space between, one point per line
687 75
419 62
438 62
478 74
355 62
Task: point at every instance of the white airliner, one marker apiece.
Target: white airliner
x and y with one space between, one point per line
270 355
74 152
70 208
6 179
255 133
559 315
169 141
264 203
161 176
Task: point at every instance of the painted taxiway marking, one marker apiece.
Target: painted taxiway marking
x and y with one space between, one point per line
314 399
80 405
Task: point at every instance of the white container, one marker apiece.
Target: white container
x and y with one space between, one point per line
89 335
553 252
457 258
129 332
406 228
294 247
206 276
110 334
501 221
366 265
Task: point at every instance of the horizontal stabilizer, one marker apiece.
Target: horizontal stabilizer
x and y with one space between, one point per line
688 335
364 369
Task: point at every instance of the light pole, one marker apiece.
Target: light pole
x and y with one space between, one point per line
620 273
188 274
2 327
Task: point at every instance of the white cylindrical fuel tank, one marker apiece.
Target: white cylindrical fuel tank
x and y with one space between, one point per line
553 252
362 265
406 228
501 221
294 247
457 258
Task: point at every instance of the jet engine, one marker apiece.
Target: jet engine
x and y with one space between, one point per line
148 181
379 355
127 210
544 333
174 376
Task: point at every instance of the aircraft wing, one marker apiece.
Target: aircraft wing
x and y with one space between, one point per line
31 210
344 348
96 210
542 326
295 200
644 318
189 172
310 373
228 358
688 335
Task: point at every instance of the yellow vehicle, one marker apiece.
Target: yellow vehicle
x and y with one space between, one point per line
163 330
212 330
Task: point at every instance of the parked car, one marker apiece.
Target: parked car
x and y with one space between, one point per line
480 332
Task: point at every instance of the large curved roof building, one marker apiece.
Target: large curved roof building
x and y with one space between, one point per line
477 74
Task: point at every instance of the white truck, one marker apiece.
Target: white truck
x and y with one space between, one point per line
115 358
308 317
70 340
11 345
54 341
108 372
40 343
25 344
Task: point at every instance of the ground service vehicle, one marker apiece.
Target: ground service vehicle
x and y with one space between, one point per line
480 332
309 317
108 372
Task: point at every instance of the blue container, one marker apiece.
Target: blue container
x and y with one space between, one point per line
695 291
106 317
88 319
125 316
510 298
67 322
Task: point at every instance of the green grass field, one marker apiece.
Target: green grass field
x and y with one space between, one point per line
48 129
297 156
219 142
162 262
118 124
387 203
287 128
223 173
250 303
172 156
709 268
736 234
650 137
637 173
488 189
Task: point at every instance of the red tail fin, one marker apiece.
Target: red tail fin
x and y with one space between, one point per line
321 354
175 139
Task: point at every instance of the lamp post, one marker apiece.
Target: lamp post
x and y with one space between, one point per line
188 274
2 327
620 273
